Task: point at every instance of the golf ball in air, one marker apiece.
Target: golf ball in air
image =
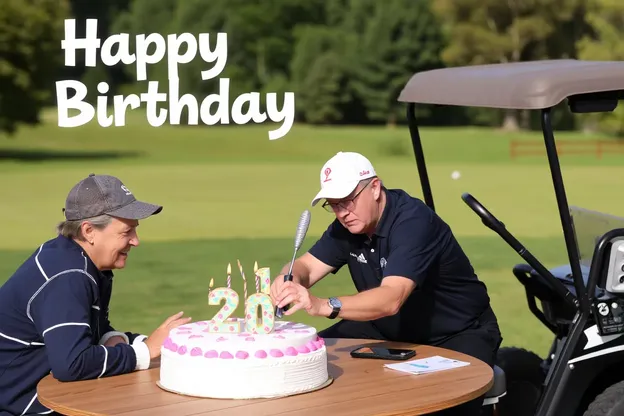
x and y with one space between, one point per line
455 175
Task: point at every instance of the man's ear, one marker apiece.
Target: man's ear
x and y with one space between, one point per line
377 189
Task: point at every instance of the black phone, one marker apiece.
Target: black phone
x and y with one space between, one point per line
383 353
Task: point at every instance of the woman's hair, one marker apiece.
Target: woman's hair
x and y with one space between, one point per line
72 228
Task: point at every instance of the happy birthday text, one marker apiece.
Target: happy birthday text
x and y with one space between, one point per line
170 49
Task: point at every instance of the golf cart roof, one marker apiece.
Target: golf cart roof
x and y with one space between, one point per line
518 85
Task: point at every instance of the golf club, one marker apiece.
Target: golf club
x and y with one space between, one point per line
302 229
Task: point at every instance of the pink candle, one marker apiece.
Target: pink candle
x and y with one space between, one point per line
229 275
244 280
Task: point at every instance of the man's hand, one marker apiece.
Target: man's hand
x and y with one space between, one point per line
157 338
276 287
112 341
300 297
306 271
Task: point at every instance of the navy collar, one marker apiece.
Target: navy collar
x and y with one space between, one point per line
92 269
385 222
383 226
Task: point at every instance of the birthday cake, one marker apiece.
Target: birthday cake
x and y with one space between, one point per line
243 358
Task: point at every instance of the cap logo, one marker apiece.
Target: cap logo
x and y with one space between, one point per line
364 172
327 172
126 190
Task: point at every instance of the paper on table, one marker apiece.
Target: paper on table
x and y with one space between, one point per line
427 365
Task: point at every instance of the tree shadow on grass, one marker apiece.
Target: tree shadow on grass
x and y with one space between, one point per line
46 155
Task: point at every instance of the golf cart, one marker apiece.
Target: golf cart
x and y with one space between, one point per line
582 303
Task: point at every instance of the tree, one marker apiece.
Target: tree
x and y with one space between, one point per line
319 74
105 12
496 31
352 69
605 43
30 56
396 39
260 39
145 17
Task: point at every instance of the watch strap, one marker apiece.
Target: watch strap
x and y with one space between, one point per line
335 311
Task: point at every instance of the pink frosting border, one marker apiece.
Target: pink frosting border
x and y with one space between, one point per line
311 346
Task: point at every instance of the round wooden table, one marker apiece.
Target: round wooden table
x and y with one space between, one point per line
361 387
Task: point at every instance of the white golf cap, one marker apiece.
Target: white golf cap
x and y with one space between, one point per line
341 174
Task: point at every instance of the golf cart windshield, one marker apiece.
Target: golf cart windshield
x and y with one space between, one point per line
589 226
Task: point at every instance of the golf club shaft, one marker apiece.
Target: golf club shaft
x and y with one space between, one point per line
292 262
302 228
287 277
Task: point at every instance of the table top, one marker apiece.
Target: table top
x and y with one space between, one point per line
361 387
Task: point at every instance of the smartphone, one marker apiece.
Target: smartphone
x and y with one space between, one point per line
383 353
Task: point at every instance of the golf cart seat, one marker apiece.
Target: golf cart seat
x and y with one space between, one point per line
564 275
498 389
554 309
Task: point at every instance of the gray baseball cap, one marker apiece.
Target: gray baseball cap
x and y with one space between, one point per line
105 194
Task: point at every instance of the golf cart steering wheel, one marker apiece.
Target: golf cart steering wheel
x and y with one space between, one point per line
487 218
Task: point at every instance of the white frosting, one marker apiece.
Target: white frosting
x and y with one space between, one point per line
284 335
291 359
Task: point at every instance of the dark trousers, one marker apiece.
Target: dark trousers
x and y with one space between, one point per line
481 341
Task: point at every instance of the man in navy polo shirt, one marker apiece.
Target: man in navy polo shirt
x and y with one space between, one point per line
414 282
54 309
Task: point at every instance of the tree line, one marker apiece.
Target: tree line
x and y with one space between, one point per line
346 60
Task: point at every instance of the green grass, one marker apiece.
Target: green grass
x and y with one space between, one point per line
229 193
166 277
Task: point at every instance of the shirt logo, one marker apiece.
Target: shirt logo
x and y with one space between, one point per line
360 258
383 262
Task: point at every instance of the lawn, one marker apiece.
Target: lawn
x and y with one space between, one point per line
229 193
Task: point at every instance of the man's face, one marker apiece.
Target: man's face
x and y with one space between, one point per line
358 211
111 245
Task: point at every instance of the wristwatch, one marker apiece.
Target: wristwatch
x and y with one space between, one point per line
336 305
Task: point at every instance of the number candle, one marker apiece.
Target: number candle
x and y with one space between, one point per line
259 317
264 323
264 275
222 322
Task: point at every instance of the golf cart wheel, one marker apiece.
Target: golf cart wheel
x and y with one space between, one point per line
608 403
524 377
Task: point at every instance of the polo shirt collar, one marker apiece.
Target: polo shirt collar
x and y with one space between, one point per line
91 268
383 226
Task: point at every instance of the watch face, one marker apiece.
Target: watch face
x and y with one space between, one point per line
335 303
